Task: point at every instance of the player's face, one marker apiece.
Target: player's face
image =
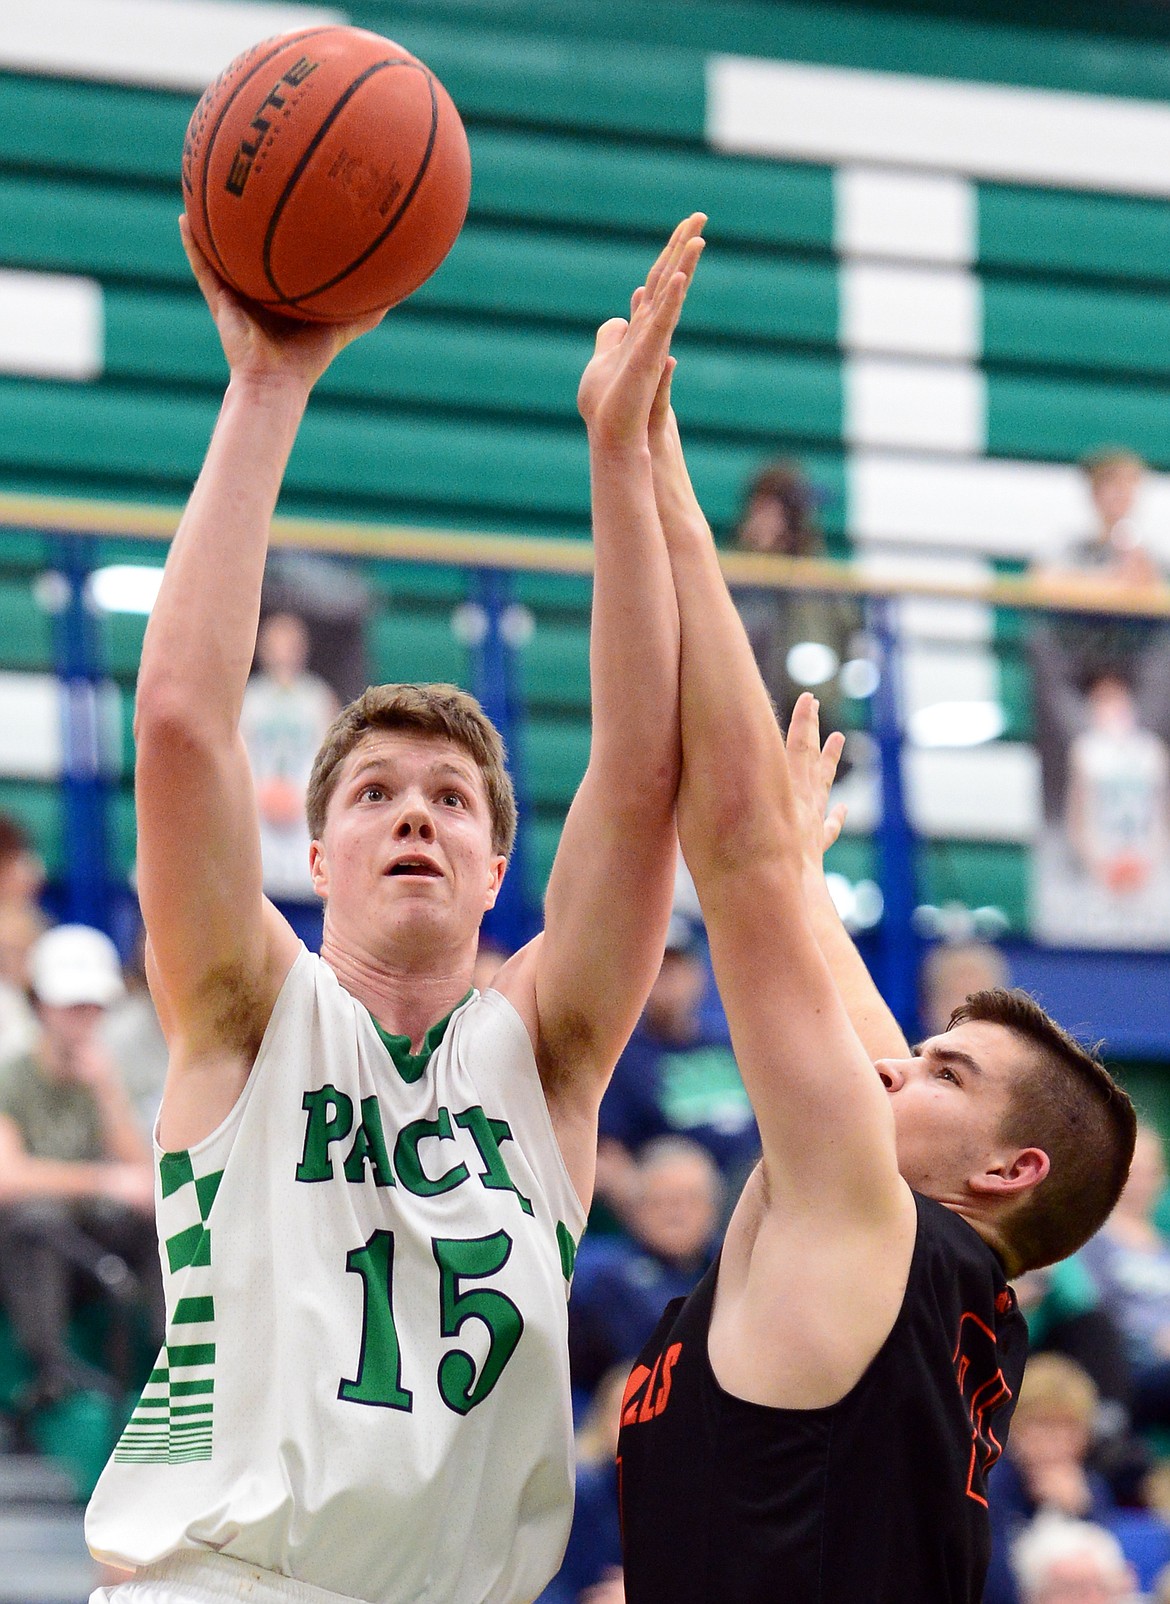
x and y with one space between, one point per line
949 1103
407 849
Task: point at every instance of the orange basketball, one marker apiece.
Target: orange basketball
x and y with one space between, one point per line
326 173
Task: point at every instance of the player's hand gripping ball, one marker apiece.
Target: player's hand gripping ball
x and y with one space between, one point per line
326 174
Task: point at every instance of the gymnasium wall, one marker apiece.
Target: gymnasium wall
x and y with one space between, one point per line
939 254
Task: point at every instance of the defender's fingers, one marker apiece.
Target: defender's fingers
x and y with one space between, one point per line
830 757
802 727
662 261
672 253
664 316
660 407
610 334
684 257
834 824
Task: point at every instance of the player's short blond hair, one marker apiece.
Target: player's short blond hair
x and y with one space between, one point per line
439 710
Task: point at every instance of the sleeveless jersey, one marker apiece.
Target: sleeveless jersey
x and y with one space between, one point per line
365 1380
877 1499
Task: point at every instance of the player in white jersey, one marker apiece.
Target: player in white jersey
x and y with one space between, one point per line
371 1177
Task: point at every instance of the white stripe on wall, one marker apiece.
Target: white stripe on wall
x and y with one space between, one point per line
932 674
51 326
1023 136
30 726
978 793
1001 508
907 217
174 44
922 406
910 311
1008 509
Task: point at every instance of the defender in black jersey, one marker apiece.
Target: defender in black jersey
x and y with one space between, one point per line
816 1423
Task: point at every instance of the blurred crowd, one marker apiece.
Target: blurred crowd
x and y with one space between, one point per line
1080 1501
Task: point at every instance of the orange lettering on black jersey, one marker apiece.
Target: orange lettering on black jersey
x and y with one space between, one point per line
639 1375
647 1410
669 1360
640 1401
984 1392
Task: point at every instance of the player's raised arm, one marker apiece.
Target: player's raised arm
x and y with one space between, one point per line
811 771
825 1124
218 950
609 895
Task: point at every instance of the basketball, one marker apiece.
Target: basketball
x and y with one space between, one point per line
326 173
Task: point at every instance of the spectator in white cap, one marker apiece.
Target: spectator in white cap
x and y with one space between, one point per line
76 1173
1061 1561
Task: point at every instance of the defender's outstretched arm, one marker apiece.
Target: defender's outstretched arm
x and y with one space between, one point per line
610 891
823 1114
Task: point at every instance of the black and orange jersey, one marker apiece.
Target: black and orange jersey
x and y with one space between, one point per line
878 1499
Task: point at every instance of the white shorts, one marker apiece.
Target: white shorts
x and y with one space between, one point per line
202 1577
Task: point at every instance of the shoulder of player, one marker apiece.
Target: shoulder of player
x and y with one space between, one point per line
824 1293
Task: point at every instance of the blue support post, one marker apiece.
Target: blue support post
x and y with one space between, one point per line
897 945
85 789
514 920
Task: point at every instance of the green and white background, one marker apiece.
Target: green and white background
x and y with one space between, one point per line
938 264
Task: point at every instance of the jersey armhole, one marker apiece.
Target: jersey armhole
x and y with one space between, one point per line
226 1129
569 1203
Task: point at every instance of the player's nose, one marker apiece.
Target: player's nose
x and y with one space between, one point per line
414 819
892 1073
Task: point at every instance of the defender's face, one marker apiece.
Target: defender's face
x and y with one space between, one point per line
407 848
949 1103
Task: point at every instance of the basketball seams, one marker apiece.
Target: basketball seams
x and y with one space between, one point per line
311 224
281 43
313 146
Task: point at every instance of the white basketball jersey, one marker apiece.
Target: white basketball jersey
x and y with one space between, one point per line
365 1380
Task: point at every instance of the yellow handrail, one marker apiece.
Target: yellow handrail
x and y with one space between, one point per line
530 553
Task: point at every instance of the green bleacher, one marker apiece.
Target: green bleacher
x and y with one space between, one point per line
586 124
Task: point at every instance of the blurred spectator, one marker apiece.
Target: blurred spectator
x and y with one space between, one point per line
331 596
22 874
594 1553
1129 1260
1048 1469
1118 801
951 971
20 925
285 715
673 1079
621 1285
800 638
1069 653
76 1174
1059 1561
134 1038
1065 1315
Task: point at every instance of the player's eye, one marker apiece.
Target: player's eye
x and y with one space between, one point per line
453 799
948 1074
371 793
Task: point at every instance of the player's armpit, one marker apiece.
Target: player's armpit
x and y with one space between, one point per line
804 1304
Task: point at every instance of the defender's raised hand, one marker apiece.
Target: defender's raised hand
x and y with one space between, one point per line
812 769
618 387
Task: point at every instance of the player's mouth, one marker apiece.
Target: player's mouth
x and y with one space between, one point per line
415 868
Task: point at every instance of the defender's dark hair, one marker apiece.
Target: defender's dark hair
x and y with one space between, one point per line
1065 1102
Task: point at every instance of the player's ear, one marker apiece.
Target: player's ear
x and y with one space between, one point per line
319 870
1012 1174
496 868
